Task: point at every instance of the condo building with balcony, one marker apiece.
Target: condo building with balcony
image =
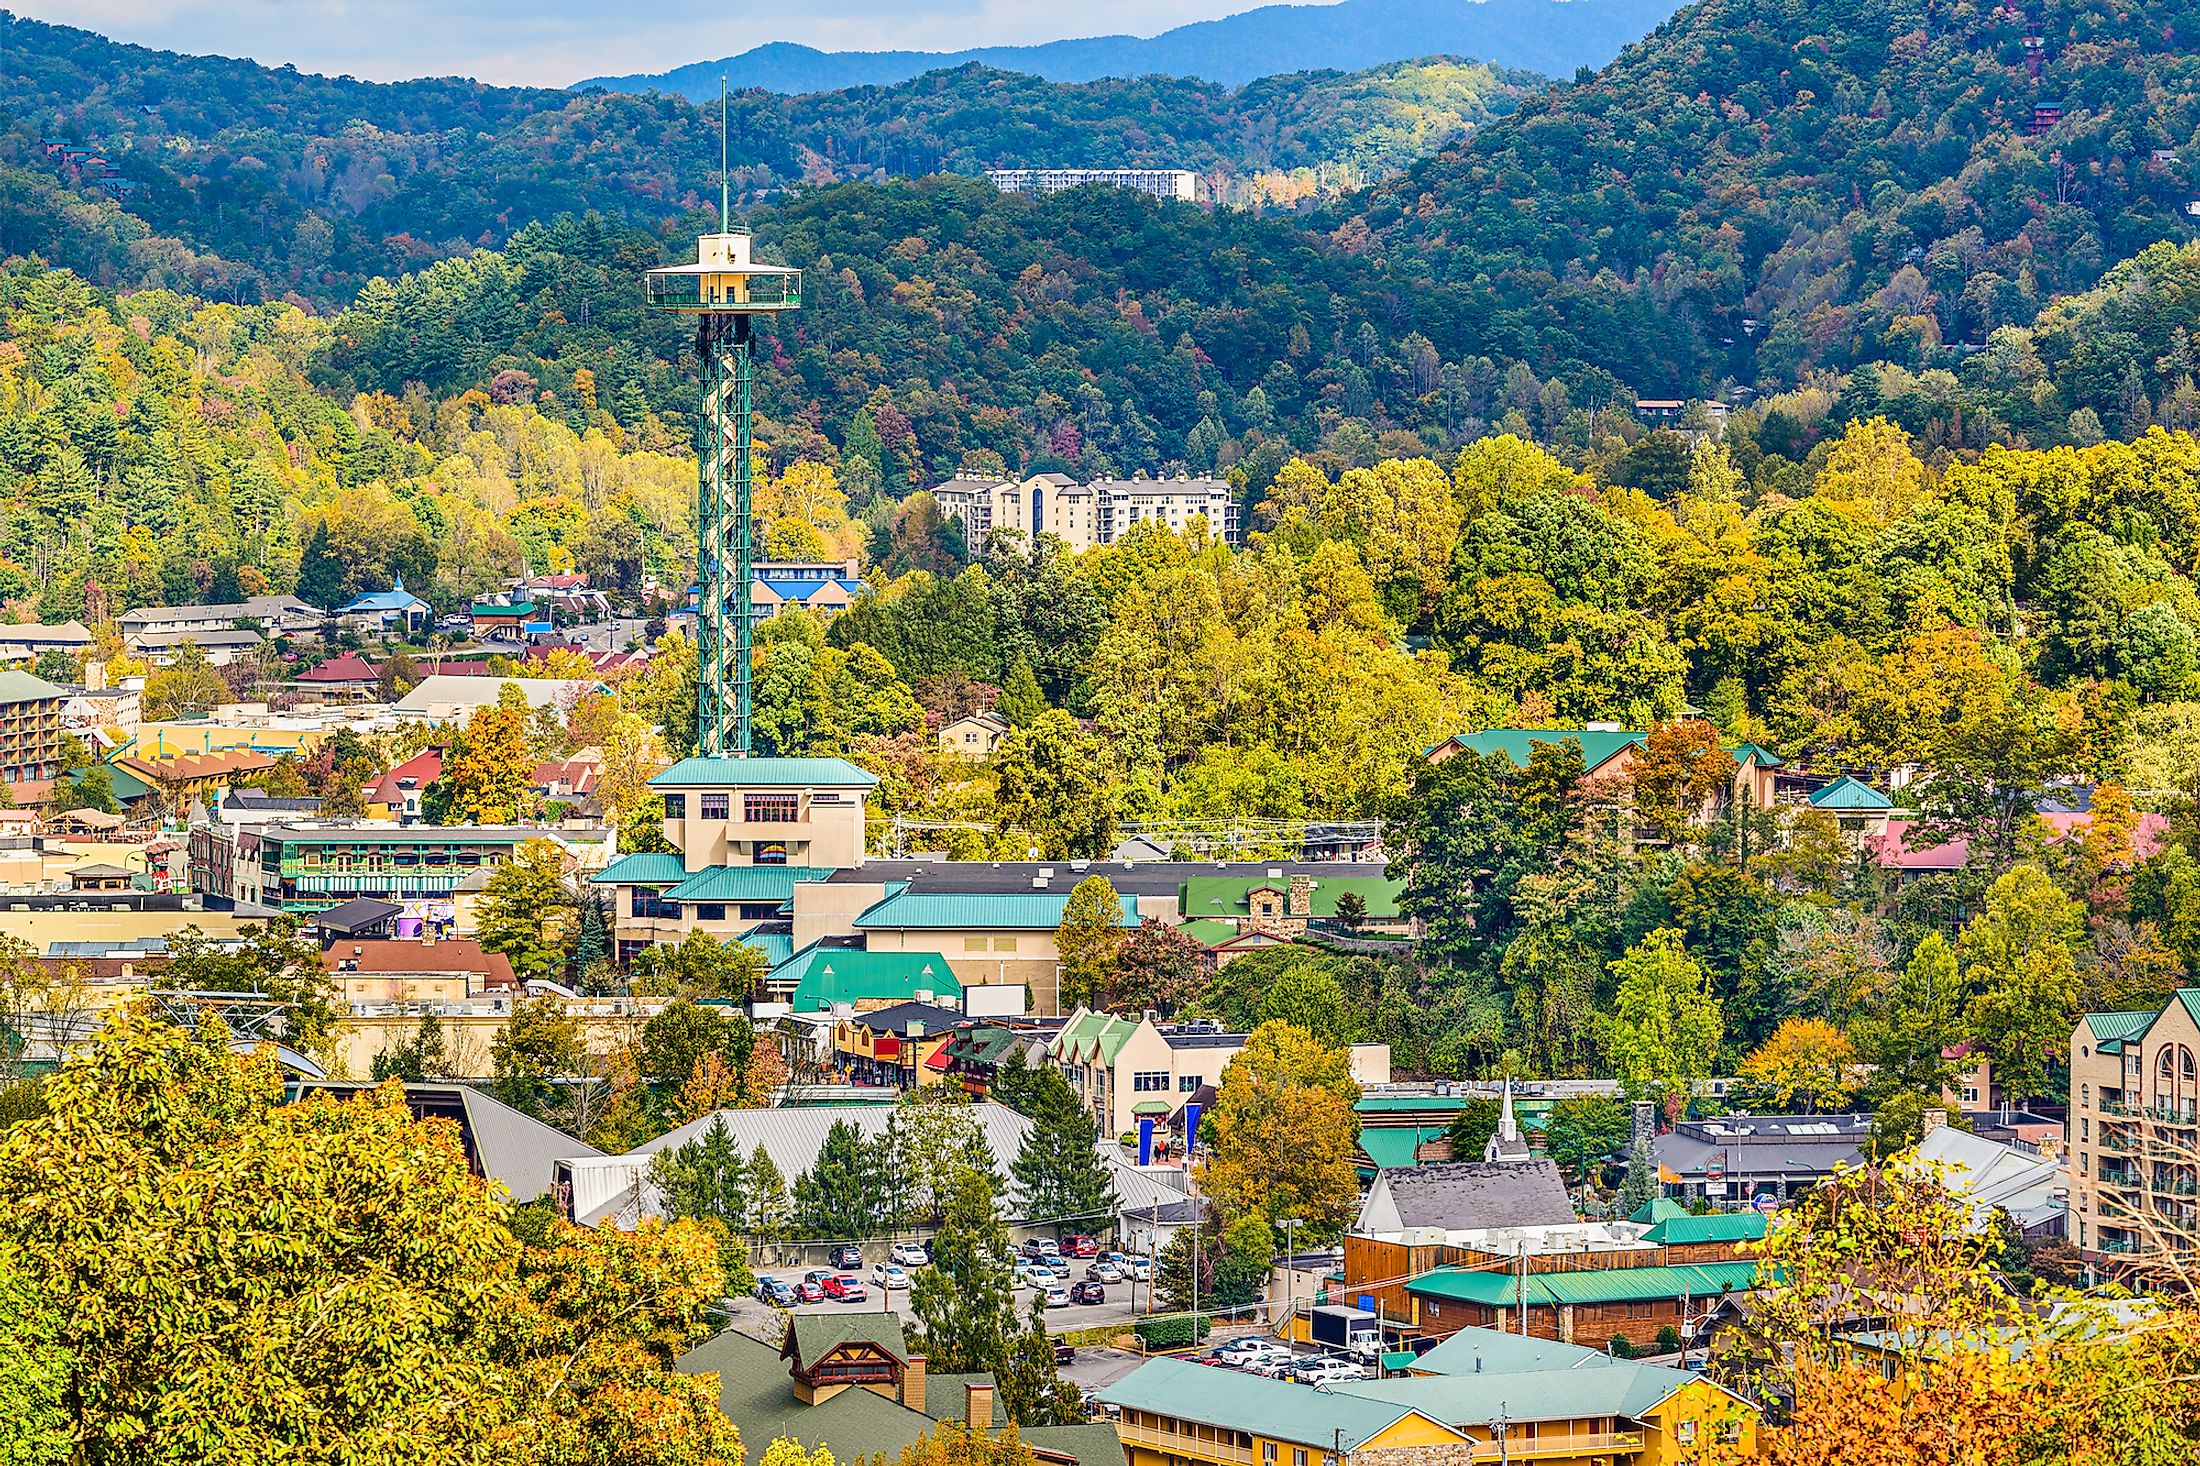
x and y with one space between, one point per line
2134 1147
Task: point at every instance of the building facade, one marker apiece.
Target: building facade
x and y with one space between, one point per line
2134 1164
1179 184
30 727
306 868
1085 515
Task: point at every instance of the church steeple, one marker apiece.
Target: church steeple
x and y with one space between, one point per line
1507 1144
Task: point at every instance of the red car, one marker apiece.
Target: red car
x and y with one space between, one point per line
809 1293
1087 1293
845 1290
1080 1247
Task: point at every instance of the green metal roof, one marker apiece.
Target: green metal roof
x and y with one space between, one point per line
1106 1030
1731 1226
1489 1351
1848 793
745 883
1657 1209
656 868
1203 896
1621 1389
1594 1285
2109 1030
818 1334
1011 911
986 1044
1766 758
18 686
764 773
1274 1408
777 947
1209 932
1597 745
823 976
1393 1147
1151 1107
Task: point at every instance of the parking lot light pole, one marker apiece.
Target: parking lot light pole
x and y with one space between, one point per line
1290 1227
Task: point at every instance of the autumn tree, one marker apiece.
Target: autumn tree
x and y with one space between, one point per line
1679 773
1806 1066
1089 941
1054 788
488 767
1281 1135
1665 1025
542 1067
2019 958
526 911
1159 966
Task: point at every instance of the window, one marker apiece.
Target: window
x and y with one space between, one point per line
2085 1096
1004 944
1268 1452
650 903
1298 1456
676 806
1149 1082
1187 1084
1970 1094
759 910
710 910
768 852
2085 1129
771 809
713 806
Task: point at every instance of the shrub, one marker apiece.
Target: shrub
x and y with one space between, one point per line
1669 1340
1621 1349
1173 1331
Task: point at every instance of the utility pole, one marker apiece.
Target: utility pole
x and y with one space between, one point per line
1290 1227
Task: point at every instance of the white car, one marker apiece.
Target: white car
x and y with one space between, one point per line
908 1254
1057 1296
888 1275
1269 1366
1104 1272
1328 1371
1252 1347
1142 1269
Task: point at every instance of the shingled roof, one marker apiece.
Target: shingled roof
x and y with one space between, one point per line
1459 1195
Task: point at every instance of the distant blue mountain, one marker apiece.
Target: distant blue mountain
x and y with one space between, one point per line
1554 37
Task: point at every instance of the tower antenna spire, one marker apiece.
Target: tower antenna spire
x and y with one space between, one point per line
725 209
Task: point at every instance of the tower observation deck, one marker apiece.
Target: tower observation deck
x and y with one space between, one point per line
724 290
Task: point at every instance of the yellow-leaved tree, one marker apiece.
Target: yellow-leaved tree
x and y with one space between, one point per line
1280 1138
325 1280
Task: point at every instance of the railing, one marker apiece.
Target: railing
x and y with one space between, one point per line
1183 1443
764 292
2187 1114
1592 1444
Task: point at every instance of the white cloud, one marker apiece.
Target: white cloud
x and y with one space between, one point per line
555 42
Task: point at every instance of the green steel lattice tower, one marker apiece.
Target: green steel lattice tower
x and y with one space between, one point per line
724 289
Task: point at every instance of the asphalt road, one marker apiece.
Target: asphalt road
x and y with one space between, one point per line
1066 1319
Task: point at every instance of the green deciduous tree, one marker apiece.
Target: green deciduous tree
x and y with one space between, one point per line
1664 1029
1089 941
526 911
1054 788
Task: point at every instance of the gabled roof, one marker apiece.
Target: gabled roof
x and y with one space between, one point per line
1598 745
897 1019
1657 1209
1621 1389
1848 793
1093 1035
2110 1030
1490 1351
347 667
811 1336
504 1145
1733 1226
832 773
1275 1408
652 868
1226 896
1461 1195
823 976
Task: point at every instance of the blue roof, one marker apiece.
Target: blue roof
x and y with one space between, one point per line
396 599
801 588
1848 793
765 772
1017 910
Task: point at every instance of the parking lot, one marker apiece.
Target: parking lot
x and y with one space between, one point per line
1120 1308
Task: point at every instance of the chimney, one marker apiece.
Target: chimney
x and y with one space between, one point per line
978 1404
912 1383
1934 1119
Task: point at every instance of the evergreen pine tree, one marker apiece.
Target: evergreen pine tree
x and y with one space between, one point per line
837 1196
1022 703
1059 1173
768 1205
1032 1390
320 573
1641 1183
705 1178
965 1302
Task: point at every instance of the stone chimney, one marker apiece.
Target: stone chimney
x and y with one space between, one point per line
1935 1117
912 1383
1298 899
978 1404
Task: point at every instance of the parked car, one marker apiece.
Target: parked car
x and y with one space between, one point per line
889 1275
1250 1347
842 1288
1329 1369
1065 1354
908 1254
808 1292
1088 1293
846 1256
1042 1249
1081 1247
775 1291
1142 1269
817 1275
1057 1296
1119 1259
1104 1272
1269 1366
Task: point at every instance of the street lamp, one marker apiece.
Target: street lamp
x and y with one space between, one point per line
1290 1226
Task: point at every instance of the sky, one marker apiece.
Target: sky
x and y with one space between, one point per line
558 42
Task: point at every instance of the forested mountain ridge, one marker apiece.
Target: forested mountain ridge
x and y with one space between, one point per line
1767 186
313 185
1553 36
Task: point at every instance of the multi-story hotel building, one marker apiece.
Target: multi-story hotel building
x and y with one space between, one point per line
2135 1134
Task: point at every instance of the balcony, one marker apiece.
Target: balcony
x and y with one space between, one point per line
1185 1443
1590 1443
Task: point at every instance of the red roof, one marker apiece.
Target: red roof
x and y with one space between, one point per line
347 668
417 772
939 1059
1890 853
571 777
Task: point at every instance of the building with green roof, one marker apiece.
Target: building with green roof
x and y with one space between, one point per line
1608 753
1588 1306
1713 1228
1284 905
819 978
2134 1095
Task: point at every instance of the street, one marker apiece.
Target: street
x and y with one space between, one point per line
1068 1319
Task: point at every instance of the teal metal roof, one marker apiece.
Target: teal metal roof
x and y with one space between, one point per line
1730 1226
1620 1389
1597 1285
1766 758
1228 896
823 976
1848 793
1489 1351
1597 745
745 883
2110 1030
1391 1104
1013 911
1657 1209
777 947
764 773
1274 1408
656 868
1392 1148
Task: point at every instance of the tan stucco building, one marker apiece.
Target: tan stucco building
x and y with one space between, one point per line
2134 1162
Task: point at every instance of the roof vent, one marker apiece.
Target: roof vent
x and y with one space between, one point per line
1047 871
1039 883
1275 872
